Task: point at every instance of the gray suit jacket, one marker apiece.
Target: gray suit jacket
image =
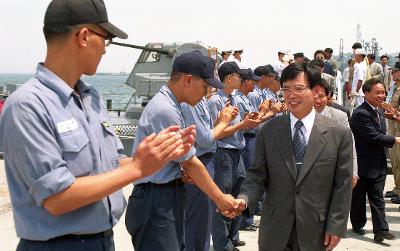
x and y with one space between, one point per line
341 118
317 199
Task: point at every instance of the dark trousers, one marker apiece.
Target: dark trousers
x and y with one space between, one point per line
292 245
229 175
68 244
155 216
374 189
248 159
198 212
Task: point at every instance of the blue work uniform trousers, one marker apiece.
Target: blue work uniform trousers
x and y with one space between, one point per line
229 175
198 212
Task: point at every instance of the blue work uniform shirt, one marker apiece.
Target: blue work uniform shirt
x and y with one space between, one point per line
216 103
268 94
50 135
162 111
256 97
245 106
199 115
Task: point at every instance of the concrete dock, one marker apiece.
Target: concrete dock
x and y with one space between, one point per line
9 240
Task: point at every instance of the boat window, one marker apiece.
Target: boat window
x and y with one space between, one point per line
150 56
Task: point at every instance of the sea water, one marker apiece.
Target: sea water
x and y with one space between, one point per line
110 86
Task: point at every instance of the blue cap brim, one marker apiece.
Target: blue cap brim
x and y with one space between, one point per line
256 78
214 83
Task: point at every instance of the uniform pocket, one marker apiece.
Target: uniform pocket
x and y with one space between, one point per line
76 153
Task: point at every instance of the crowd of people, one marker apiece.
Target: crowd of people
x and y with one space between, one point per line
210 151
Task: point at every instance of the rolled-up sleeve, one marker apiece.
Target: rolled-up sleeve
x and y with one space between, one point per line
32 150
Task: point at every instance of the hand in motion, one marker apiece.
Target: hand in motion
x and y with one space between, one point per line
227 114
265 106
331 241
157 150
231 207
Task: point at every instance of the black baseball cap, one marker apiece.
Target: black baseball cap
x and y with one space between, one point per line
265 70
196 64
247 74
228 68
65 13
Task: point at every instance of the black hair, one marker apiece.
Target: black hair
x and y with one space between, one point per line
319 52
51 33
385 56
317 62
329 50
357 46
324 84
367 86
371 56
312 73
349 61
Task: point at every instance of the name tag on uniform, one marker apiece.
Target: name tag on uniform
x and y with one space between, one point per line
67 125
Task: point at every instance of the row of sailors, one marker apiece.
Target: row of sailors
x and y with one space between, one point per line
226 126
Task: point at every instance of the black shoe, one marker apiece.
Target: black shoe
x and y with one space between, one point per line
257 225
381 235
250 228
391 194
395 200
235 249
359 231
238 243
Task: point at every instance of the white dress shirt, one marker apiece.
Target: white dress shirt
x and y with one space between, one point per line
308 123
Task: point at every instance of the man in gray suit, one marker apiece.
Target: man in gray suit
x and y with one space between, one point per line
303 163
322 91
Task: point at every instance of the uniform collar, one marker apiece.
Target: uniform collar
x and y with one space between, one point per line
166 91
56 84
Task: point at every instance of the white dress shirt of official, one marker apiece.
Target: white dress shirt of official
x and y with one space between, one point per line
308 122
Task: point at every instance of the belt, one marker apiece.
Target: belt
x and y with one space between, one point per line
103 234
172 183
249 135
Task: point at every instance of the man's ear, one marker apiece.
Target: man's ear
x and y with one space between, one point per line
82 37
187 79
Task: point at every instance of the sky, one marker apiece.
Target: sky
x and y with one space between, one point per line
260 27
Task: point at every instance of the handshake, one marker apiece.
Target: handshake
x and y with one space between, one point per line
229 206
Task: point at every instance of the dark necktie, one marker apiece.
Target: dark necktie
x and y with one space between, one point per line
378 118
299 144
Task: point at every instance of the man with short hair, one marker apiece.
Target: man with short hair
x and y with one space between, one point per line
369 130
332 61
329 78
321 106
198 210
65 165
229 167
303 162
386 71
375 68
155 212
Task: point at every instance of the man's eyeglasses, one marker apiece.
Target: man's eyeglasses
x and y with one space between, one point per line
298 89
107 38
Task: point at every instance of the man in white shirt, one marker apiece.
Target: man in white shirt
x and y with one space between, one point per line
359 77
